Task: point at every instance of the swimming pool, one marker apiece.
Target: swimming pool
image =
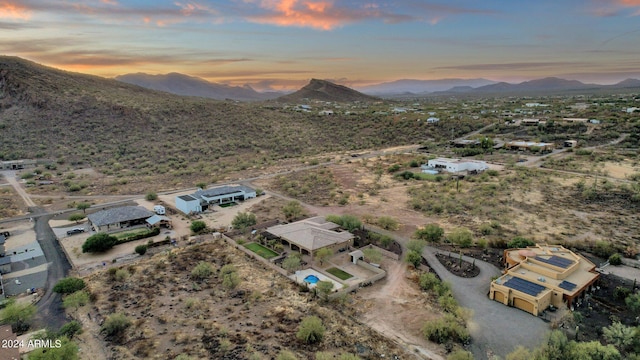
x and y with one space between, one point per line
311 279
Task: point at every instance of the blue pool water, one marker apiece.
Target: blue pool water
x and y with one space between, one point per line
311 279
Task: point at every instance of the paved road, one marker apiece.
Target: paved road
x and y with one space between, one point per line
495 328
50 312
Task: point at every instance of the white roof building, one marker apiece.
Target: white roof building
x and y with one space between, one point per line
457 165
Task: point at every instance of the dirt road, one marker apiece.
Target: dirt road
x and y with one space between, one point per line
11 179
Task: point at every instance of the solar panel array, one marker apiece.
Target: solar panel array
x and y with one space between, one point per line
567 285
556 261
524 286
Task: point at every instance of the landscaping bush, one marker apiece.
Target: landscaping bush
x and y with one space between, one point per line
462 237
141 249
69 285
388 223
76 217
615 259
151 196
198 226
347 222
603 249
413 258
428 281
416 245
431 232
138 236
519 242
99 242
76 300
311 330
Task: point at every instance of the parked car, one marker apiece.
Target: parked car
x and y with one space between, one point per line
75 231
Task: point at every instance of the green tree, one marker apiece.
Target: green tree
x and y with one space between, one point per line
76 217
291 263
324 254
487 144
633 303
592 350
83 206
69 285
388 223
311 330
324 287
293 210
431 232
99 242
76 300
151 196
141 249
244 220
413 258
519 242
68 350
386 241
462 237
202 271
115 324
18 315
619 335
198 226
615 259
372 255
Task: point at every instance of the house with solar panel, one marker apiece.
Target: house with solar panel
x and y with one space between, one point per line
543 275
201 200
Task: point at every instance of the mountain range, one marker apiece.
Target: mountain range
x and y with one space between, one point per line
185 85
181 84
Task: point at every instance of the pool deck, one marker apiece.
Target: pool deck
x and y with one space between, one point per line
301 274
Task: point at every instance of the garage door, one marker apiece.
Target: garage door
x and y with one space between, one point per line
523 305
498 296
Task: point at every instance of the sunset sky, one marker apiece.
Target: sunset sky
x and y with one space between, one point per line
283 43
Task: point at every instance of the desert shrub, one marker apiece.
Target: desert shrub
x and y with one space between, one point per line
388 223
231 280
486 229
446 329
115 324
393 168
413 258
620 335
431 232
70 329
347 222
428 281
67 350
385 241
198 226
482 243
372 255
615 259
603 249
292 210
462 237
311 330
244 220
141 249
69 285
151 196
121 275
76 300
448 303
520 242
202 271
286 355
460 355
492 172
416 245
76 217
633 302
621 292
99 242
141 235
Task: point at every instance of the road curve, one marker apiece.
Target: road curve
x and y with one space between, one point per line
50 312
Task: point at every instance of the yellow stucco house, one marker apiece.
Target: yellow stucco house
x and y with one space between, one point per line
543 275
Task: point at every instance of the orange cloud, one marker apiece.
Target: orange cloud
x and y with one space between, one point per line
187 9
303 13
14 11
629 3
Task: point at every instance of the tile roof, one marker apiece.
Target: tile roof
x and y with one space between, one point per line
311 234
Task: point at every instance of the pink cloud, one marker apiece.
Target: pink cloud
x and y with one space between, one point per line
190 8
14 11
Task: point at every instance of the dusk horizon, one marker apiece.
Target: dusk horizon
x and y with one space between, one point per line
282 44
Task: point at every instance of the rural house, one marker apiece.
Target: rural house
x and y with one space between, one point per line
118 218
309 235
457 165
202 199
543 275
